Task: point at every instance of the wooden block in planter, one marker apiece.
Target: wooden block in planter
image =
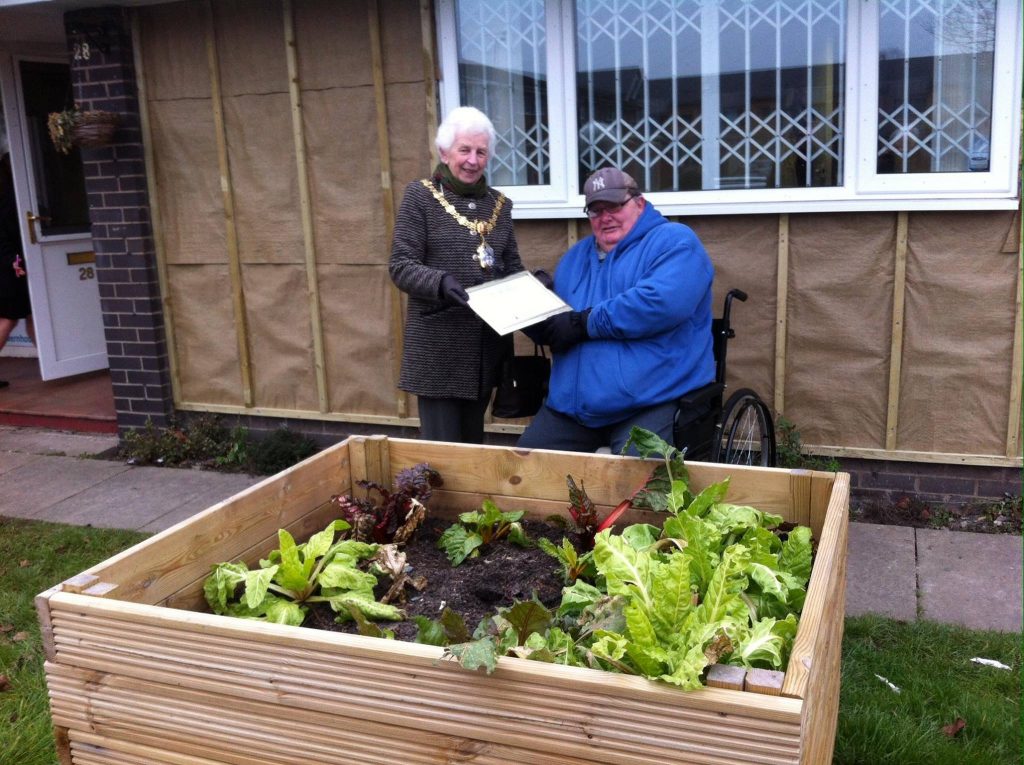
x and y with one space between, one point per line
767 681
142 681
725 676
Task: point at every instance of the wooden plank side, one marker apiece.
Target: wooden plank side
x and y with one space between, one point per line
571 712
190 594
800 496
899 292
540 474
230 219
305 206
781 313
820 607
205 723
1016 372
160 566
821 699
420 659
821 494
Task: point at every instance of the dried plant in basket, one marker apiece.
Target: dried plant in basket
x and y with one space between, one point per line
72 127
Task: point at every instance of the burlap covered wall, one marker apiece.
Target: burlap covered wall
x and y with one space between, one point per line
958 344
835 313
262 177
839 325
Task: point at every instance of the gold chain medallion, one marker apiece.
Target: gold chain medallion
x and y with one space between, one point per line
484 252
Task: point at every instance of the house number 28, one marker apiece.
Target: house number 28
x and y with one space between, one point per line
85 273
81 51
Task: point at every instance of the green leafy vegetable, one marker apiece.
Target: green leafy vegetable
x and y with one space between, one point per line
294 575
573 564
479 528
449 629
716 583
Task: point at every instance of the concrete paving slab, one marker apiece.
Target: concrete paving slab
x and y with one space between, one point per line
135 498
970 579
40 441
216 487
11 460
28 491
880 571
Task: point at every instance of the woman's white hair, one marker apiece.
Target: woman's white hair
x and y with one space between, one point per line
464 120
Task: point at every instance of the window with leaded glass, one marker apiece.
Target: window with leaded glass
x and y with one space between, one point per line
744 105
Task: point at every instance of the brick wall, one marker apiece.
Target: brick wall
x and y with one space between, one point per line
937 484
115 181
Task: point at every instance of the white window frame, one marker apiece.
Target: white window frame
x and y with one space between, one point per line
863 188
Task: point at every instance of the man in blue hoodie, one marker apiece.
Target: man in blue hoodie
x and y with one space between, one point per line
639 334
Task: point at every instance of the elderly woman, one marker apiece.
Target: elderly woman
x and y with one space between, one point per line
453 231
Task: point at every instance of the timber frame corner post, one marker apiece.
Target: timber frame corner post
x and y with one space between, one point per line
136 665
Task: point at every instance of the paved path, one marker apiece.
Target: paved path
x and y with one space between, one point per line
953 577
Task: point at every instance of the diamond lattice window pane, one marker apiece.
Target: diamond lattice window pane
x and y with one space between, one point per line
935 82
748 95
502 72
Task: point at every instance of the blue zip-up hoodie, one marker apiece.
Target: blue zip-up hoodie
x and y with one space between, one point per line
650 322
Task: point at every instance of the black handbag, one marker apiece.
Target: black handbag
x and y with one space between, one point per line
522 386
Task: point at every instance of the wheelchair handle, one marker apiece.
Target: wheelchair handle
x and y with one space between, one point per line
726 310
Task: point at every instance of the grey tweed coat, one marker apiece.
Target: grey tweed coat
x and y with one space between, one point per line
449 351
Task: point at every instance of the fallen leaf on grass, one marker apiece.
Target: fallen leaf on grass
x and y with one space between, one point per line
6 628
989 663
25 563
17 637
5 684
891 686
954 727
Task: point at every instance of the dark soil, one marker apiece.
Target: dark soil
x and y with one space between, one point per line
503 574
995 517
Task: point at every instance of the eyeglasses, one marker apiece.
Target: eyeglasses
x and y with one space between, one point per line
610 209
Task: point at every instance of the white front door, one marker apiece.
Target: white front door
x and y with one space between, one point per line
55 229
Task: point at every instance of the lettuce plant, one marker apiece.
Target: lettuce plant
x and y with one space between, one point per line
716 583
295 575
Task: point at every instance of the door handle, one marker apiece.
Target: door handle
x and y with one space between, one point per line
32 220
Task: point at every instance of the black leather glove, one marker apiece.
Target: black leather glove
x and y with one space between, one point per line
545 278
452 292
564 330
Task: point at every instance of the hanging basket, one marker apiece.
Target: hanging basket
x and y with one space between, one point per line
95 128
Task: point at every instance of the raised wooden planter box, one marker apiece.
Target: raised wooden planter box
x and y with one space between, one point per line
139 673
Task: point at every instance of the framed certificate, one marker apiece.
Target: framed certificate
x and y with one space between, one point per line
514 302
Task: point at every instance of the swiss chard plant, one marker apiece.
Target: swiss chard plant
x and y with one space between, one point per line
296 575
652 495
718 582
480 528
574 565
397 512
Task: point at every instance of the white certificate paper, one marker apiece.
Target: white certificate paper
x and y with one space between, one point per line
514 302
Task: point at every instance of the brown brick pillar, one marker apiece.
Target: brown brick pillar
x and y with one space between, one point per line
103 78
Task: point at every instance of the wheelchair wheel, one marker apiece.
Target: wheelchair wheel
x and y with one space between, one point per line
746 434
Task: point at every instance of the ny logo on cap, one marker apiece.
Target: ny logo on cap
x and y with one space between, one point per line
597 184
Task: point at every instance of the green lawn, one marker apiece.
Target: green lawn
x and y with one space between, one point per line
34 556
930 664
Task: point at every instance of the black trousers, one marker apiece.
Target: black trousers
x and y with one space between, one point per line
452 419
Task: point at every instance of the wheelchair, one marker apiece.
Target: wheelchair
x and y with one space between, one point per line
739 432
